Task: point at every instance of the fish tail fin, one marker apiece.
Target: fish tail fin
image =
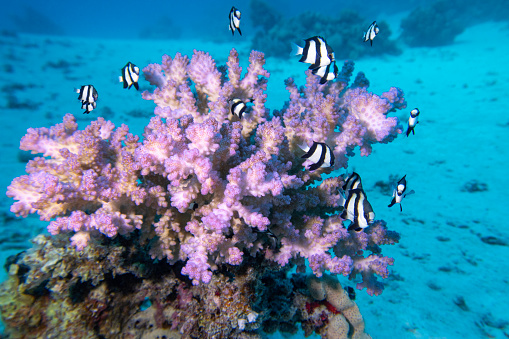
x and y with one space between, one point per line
303 146
393 201
296 49
341 200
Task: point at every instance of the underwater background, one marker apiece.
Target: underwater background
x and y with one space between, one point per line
450 276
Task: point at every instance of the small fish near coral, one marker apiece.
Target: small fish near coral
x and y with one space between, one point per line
316 52
399 193
130 76
326 73
88 96
356 206
358 210
371 33
412 121
350 291
237 107
320 154
320 55
234 17
353 181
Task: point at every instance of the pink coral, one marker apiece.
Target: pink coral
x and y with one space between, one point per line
208 189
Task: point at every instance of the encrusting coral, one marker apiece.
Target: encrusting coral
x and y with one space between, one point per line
115 289
206 193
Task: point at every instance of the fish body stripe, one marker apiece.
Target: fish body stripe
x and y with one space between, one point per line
320 155
352 182
87 93
130 75
238 107
234 17
358 209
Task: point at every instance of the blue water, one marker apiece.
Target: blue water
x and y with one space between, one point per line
457 160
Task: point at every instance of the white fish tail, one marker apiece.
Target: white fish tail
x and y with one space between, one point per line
303 146
296 50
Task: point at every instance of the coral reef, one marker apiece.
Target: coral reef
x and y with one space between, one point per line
343 33
206 205
115 290
437 23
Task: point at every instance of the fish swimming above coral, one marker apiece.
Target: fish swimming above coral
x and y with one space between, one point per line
316 52
371 33
326 73
319 154
412 121
237 107
234 17
130 76
399 193
358 210
88 96
352 181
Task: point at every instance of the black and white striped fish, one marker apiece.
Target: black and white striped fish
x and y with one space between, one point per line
237 107
350 291
352 182
399 193
316 52
358 210
412 121
88 96
326 73
371 33
234 17
319 154
88 106
87 93
130 76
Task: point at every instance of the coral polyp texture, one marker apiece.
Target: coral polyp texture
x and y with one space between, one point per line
204 191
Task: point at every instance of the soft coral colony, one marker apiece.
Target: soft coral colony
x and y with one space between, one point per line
211 192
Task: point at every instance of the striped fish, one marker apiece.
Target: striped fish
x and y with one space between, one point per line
412 121
319 154
88 96
237 107
371 33
234 17
326 73
399 193
352 182
130 76
87 93
88 106
316 52
358 210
